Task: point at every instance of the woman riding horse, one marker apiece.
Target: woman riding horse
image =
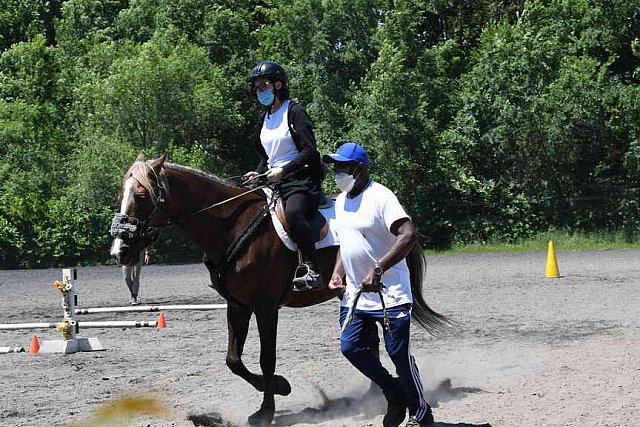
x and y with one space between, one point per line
289 157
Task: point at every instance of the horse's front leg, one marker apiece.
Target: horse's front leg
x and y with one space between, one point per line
238 326
267 328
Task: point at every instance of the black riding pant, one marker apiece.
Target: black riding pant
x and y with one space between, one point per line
298 207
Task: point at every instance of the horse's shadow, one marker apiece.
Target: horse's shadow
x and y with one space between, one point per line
370 405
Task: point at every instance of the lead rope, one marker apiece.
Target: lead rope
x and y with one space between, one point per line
385 316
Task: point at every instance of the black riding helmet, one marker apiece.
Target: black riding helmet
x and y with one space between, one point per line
272 70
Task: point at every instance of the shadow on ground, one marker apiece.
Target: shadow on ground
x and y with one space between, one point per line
366 407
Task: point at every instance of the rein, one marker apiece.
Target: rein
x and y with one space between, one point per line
230 199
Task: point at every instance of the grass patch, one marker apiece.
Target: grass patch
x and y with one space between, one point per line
562 240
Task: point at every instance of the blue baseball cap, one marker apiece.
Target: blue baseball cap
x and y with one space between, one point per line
348 152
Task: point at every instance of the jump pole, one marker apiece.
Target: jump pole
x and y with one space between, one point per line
149 308
4 350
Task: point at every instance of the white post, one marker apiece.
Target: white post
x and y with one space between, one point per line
69 299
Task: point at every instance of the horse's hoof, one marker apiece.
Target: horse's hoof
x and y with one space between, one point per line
281 386
262 417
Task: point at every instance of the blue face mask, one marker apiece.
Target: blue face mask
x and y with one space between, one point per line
266 97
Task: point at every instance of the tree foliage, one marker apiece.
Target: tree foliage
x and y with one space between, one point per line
491 120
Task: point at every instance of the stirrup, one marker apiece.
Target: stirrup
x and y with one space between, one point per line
306 279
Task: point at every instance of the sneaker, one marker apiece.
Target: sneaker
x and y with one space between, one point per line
396 413
426 422
306 279
134 301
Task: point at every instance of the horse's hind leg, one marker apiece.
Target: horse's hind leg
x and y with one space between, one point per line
267 328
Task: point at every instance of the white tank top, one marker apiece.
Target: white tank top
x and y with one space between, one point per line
276 139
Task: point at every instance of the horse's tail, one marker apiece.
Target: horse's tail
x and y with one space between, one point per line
433 322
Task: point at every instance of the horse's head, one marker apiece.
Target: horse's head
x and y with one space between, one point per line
142 200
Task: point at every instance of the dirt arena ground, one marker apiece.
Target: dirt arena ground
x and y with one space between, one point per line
529 351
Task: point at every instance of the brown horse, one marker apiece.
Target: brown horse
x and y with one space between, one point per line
249 265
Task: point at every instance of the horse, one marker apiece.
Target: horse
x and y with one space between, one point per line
248 263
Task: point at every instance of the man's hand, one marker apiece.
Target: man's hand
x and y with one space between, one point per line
147 258
337 285
275 174
371 282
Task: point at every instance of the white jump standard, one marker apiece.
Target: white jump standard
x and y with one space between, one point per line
69 326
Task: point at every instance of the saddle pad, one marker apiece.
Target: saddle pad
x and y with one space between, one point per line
327 210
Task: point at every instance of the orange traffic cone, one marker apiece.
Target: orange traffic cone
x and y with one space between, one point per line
161 322
35 345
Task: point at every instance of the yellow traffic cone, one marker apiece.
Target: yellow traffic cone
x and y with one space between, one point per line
552 263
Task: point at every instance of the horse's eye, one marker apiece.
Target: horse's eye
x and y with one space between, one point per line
140 196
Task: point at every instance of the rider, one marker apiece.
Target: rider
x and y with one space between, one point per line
288 155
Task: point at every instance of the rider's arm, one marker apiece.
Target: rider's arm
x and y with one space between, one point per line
308 151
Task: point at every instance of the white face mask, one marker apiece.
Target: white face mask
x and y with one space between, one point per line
345 181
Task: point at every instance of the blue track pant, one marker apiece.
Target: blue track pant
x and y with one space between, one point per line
354 345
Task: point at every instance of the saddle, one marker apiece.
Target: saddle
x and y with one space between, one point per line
317 221
320 221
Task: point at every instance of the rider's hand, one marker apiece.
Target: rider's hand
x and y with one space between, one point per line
275 174
249 176
147 258
371 282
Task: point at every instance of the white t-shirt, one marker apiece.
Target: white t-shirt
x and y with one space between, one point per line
363 225
276 139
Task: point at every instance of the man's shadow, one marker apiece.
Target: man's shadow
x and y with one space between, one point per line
370 405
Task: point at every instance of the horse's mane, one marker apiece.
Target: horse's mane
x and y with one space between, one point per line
146 175
142 172
203 175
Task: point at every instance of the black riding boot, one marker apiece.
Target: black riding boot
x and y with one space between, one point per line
307 276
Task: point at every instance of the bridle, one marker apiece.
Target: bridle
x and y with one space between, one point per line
125 226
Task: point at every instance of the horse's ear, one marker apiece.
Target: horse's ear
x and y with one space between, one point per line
159 162
140 158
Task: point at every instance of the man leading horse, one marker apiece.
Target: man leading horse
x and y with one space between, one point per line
376 235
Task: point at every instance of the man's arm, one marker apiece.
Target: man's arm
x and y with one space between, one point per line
336 283
406 237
